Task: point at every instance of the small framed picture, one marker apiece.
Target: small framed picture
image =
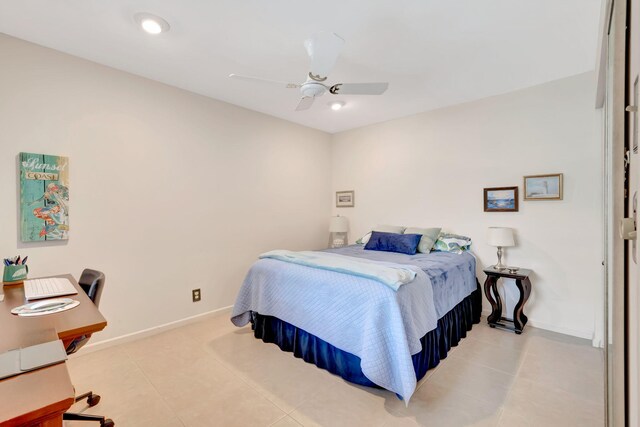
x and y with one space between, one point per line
344 199
543 187
501 199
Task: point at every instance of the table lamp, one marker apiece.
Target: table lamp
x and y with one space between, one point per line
500 237
338 228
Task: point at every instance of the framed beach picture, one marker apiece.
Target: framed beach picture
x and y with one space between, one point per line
501 199
543 187
344 199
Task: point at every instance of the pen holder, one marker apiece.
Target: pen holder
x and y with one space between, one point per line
14 274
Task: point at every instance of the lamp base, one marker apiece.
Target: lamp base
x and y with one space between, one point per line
337 239
500 265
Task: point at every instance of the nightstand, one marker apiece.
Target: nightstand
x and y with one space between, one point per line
495 319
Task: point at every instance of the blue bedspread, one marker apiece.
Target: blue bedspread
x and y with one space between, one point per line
453 276
358 315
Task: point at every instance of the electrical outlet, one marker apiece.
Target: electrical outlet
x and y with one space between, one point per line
195 295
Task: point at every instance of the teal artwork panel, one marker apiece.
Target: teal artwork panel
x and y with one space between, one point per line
44 197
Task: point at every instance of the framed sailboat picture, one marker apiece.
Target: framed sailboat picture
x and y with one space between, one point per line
543 187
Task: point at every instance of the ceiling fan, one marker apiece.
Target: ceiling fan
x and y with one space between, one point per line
323 49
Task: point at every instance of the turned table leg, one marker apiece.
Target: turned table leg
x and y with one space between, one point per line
491 292
519 318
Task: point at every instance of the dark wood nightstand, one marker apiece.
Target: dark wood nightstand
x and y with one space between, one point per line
523 283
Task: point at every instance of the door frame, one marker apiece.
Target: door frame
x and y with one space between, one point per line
612 91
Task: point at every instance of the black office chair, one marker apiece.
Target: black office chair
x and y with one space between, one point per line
91 281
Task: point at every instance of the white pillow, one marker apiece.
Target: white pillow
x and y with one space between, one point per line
390 229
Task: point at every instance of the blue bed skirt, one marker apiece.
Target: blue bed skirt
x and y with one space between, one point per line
452 327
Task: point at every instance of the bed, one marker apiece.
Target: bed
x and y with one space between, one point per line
358 328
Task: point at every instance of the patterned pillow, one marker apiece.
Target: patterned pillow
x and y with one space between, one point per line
364 239
452 243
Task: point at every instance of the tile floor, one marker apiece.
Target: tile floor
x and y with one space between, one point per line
211 373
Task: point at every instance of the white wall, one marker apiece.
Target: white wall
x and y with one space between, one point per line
430 170
169 190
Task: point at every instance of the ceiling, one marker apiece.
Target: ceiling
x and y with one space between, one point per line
433 53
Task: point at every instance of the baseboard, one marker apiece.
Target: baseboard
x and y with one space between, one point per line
588 335
101 345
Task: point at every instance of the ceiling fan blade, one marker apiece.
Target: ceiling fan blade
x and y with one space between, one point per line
323 48
359 88
305 103
261 80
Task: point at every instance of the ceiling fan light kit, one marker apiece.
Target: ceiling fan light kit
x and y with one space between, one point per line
312 89
323 49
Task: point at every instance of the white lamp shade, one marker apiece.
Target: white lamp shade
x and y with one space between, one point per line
500 236
339 224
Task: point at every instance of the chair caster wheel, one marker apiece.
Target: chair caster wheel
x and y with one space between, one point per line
492 326
518 332
93 400
107 423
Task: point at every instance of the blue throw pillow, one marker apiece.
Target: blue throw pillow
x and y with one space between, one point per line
392 242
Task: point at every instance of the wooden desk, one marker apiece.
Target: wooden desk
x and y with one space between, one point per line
39 398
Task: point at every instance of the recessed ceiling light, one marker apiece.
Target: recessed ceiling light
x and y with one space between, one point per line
152 24
336 105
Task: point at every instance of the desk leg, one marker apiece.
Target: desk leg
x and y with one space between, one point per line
491 292
519 318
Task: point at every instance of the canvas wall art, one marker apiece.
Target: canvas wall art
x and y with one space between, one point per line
44 197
